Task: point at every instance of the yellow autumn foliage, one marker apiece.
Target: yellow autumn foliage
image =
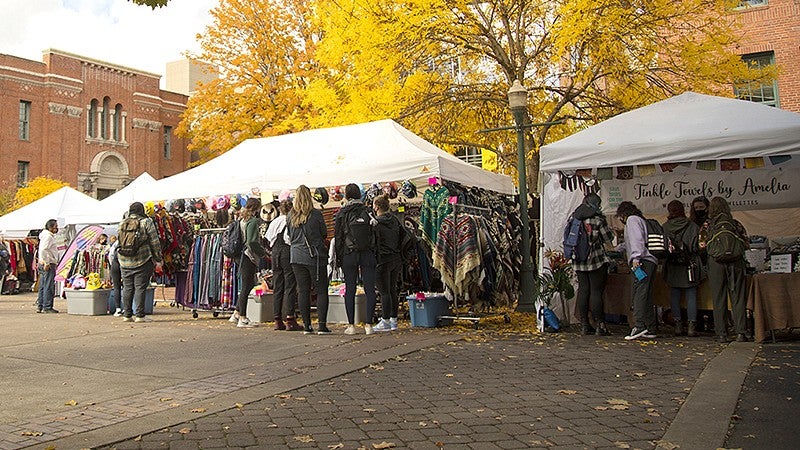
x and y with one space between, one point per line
36 189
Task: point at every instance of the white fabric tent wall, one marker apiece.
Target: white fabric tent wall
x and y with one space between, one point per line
59 205
688 127
110 209
370 152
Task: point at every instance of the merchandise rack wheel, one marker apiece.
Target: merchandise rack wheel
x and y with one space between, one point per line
215 314
475 324
194 314
506 318
173 305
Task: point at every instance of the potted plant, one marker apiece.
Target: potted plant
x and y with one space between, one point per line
556 280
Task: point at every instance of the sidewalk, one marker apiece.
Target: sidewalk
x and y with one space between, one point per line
182 383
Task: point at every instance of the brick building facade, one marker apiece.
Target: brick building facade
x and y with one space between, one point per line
92 124
772 36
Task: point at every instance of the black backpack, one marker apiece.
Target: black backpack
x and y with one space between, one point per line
232 240
408 244
576 241
677 253
358 231
657 242
725 244
129 236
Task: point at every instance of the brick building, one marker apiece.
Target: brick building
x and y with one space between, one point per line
772 36
92 124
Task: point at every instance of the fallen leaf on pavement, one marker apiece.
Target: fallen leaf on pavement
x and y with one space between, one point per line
165 399
567 392
619 407
238 405
71 403
601 408
185 430
336 446
621 444
368 410
640 374
423 424
617 401
384 444
449 375
174 405
377 367
31 433
198 410
304 438
138 438
284 396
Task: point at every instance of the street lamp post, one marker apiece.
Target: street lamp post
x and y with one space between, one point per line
518 103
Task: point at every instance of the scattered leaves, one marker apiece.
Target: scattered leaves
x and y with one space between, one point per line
198 410
304 438
376 367
238 405
383 445
620 444
165 399
567 392
185 430
336 446
640 374
31 433
449 375
71 403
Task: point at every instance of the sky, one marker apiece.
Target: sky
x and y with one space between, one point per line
114 31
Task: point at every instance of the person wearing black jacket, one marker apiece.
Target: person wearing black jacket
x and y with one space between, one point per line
682 269
353 260
248 262
389 233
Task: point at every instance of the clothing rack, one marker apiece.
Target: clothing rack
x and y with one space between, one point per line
472 317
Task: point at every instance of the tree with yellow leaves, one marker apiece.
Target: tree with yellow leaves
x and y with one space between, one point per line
36 189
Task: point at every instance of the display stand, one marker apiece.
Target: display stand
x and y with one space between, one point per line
215 311
471 315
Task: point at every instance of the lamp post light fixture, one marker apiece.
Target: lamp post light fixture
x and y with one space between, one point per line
518 103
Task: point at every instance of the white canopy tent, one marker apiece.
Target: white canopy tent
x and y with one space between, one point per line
370 152
680 148
110 209
59 205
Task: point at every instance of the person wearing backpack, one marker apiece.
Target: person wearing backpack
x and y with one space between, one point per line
252 252
355 249
284 294
643 267
726 244
592 271
389 232
682 268
308 256
139 254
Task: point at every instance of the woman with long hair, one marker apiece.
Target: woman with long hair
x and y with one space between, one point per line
253 251
309 258
285 288
682 269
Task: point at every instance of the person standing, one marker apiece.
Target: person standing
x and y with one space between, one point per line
116 277
47 262
682 269
593 272
284 294
643 267
355 250
137 268
389 232
307 233
727 277
252 252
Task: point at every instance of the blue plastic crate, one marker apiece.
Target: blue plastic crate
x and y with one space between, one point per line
425 313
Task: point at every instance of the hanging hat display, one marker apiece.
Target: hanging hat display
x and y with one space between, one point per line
285 195
373 191
149 208
268 212
408 189
390 189
222 202
321 195
336 194
241 199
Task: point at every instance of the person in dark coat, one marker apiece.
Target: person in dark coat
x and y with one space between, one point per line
682 269
389 233
253 252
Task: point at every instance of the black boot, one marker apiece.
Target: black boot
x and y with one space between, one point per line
602 330
586 329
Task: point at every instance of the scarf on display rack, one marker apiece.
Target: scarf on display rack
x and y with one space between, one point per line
586 182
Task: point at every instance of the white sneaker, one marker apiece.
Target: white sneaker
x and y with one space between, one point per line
245 323
127 319
383 325
142 319
351 329
234 318
367 328
393 323
118 312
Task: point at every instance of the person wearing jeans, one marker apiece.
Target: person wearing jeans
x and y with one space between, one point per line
47 262
389 233
137 269
682 268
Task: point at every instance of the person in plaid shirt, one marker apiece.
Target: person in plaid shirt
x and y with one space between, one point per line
593 272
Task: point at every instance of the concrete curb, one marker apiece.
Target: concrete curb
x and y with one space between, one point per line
703 420
164 419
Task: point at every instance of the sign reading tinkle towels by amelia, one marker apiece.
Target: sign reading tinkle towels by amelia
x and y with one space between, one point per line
743 189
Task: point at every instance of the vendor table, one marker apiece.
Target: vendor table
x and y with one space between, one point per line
774 299
619 294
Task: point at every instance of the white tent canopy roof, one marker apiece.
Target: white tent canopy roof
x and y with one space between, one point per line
111 209
59 205
687 127
370 152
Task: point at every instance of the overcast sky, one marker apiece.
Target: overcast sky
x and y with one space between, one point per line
116 31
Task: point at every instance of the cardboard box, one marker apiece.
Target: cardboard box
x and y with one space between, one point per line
425 313
337 313
87 303
259 308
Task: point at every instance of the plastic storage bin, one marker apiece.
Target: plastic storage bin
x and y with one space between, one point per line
337 313
87 303
425 313
259 308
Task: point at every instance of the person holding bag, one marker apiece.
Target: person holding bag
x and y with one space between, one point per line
308 256
248 262
682 269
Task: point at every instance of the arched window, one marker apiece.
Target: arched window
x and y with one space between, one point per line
117 125
91 119
104 119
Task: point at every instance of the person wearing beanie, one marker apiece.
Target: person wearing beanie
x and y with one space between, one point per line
593 272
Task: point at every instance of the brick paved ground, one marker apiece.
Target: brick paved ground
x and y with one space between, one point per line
515 392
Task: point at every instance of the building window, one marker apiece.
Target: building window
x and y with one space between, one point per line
167 142
747 3
117 125
24 120
91 119
104 119
471 155
756 91
22 173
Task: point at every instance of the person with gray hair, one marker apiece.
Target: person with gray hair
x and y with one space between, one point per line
47 261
